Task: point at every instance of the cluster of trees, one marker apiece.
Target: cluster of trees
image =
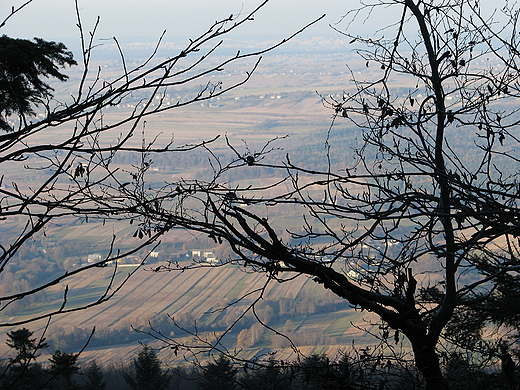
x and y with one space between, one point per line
22 372
361 369
248 330
305 151
74 337
63 372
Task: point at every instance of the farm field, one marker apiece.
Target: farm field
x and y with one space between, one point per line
200 294
282 98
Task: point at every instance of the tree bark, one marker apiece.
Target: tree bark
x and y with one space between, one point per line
427 362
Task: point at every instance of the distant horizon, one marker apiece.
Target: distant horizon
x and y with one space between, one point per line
56 19
140 48
133 22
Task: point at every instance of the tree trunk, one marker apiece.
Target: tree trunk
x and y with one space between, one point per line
427 362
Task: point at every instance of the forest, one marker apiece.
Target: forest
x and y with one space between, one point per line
355 369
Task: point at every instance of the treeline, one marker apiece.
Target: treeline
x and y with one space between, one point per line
269 311
32 266
318 150
127 332
359 369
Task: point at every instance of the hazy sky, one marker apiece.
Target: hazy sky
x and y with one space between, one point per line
127 19
144 20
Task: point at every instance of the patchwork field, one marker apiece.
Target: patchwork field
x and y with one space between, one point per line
281 99
200 295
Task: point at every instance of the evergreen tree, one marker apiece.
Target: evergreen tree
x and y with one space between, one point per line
94 377
24 378
272 377
27 347
315 371
147 372
319 372
22 372
23 63
218 375
497 305
63 367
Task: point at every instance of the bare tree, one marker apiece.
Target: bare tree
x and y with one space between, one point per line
67 153
425 201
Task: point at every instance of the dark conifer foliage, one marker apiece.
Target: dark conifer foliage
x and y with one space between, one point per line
273 376
147 373
94 378
23 373
25 345
23 65
219 374
62 368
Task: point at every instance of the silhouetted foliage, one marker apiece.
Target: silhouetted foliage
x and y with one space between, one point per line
94 378
272 376
219 374
22 372
62 368
25 346
23 64
147 373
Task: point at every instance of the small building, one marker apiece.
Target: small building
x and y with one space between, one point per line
94 258
211 260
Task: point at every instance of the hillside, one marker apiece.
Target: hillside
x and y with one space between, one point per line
281 99
314 318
